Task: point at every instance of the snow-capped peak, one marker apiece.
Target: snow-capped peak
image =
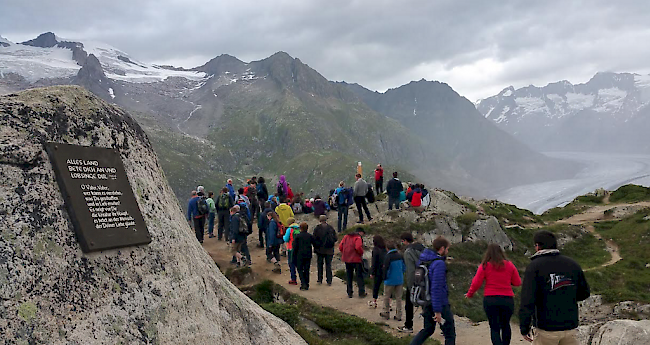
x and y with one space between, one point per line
4 42
34 63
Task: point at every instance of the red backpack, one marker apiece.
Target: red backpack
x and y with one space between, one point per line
281 231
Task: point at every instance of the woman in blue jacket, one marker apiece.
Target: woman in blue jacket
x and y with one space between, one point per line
394 268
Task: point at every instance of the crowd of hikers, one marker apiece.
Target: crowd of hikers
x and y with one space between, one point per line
552 284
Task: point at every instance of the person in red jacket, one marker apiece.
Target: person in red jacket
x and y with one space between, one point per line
499 275
351 248
379 179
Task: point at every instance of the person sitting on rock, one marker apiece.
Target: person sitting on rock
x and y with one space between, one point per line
320 208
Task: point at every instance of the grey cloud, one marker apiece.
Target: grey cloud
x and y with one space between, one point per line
374 43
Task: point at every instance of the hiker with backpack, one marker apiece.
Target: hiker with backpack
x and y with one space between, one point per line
379 179
274 234
282 188
360 192
289 191
499 275
240 198
285 212
393 189
197 210
263 223
212 213
223 206
377 267
394 269
262 191
324 240
238 230
411 259
351 248
251 193
432 271
293 230
302 254
343 196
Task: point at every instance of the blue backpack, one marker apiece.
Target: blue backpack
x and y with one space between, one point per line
342 197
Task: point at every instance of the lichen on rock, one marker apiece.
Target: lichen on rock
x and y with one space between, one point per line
167 292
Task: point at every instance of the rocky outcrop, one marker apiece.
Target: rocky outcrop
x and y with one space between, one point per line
626 332
444 226
489 230
166 292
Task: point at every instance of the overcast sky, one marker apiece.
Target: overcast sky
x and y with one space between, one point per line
478 47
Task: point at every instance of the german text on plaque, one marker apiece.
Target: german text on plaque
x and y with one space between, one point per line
98 196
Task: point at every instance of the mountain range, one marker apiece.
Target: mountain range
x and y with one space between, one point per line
609 113
229 118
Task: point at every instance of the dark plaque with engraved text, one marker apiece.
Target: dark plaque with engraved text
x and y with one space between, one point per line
98 197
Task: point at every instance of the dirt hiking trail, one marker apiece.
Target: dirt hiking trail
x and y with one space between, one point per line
335 296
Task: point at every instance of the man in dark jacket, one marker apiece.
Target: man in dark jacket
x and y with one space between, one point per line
324 241
393 189
411 259
302 253
193 214
351 248
263 223
236 236
319 206
439 311
553 285
223 205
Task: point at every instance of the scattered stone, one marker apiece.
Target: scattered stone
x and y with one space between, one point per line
626 332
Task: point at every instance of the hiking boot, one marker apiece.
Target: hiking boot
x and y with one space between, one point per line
293 282
362 295
404 329
319 282
397 318
329 283
350 295
385 315
372 304
211 236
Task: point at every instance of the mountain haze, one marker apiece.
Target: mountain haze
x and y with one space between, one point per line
460 139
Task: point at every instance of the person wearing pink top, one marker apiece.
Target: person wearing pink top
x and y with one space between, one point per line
499 275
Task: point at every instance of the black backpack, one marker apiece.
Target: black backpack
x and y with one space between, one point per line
420 293
370 195
330 237
202 206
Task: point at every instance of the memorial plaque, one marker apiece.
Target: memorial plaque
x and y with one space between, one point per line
98 197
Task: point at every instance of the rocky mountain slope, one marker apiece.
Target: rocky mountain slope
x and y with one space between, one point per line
277 116
165 292
609 113
462 140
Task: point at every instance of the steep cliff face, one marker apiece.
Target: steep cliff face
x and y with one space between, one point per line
167 292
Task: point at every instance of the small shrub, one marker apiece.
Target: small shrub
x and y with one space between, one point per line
467 219
288 313
630 193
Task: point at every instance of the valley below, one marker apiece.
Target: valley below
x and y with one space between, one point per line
600 170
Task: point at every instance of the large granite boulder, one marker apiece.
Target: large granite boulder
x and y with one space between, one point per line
166 292
628 332
489 230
